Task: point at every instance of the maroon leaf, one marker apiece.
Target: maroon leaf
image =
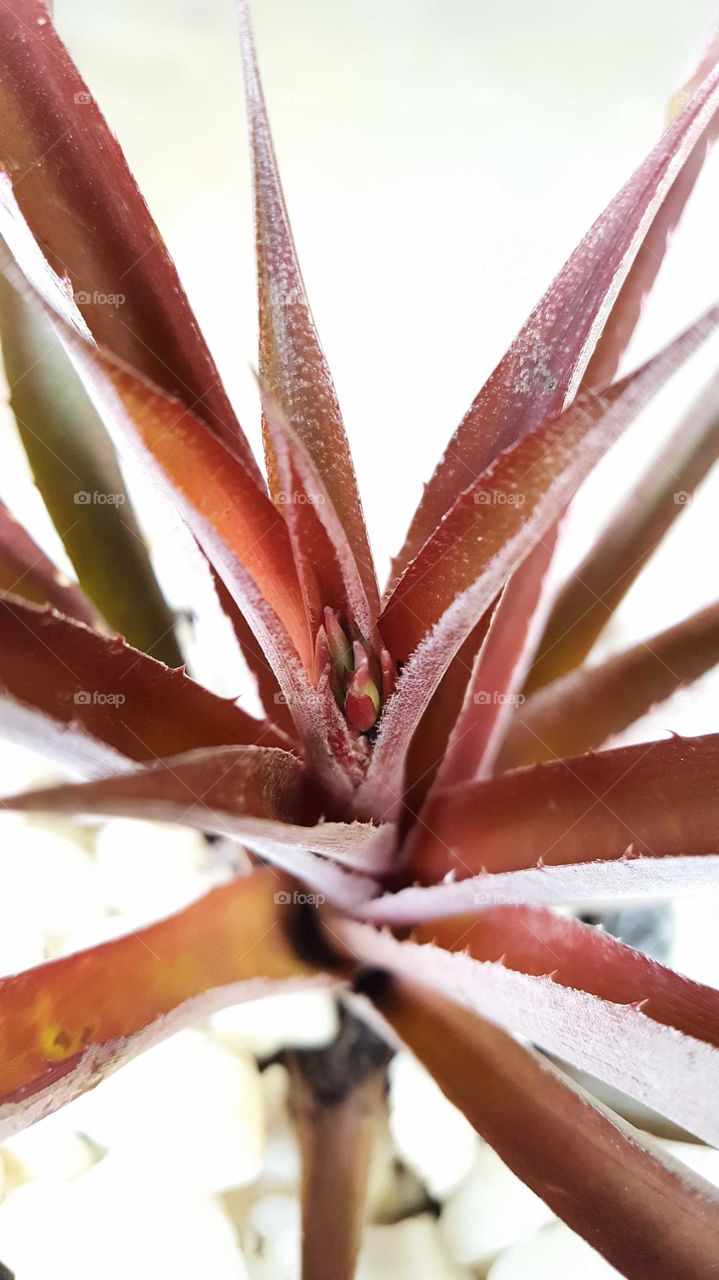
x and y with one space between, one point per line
672 1072
587 601
26 571
253 794
548 359
656 799
587 707
484 537
648 1215
96 703
576 883
499 670
292 362
67 178
541 943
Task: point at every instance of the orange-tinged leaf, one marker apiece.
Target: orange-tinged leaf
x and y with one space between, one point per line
292 362
66 177
585 708
67 1024
76 471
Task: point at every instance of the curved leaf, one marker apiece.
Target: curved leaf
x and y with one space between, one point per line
26 571
548 359
253 794
648 1215
76 471
541 943
95 703
66 176
499 670
674 1073
656 799
585 708
580 884
292 362
490 529
585 604
66 1025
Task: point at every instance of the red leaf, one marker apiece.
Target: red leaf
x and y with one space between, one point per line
585 604
587 707
576 883
26 571
499 670
325 560
674 1073
292 362
647 1214
66 1025
466 562
95 703
535 941
66 174
546 362
252 794
655 799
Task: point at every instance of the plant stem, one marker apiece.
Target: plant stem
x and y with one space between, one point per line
336 1096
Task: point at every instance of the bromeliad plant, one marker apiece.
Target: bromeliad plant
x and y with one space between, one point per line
399 789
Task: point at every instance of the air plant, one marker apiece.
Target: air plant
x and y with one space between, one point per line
432 775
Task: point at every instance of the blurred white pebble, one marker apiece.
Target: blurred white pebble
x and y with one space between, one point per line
153 868
307 1020
554 1253
50 1149
186 1103
116 1222
47 879
271 1238
489 1211
408 1250
431 1135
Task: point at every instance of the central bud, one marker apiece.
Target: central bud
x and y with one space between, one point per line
361 680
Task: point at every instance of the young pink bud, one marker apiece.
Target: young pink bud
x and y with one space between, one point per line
339 645
363 702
